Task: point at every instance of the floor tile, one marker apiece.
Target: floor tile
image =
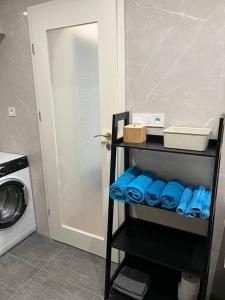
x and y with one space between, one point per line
46 286
5 292
37 249
15 272
79 267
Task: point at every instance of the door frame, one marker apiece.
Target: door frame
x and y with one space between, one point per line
120 4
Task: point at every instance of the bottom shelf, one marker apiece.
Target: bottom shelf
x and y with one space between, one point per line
173 248
164 281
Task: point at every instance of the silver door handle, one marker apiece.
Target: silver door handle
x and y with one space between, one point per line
108 136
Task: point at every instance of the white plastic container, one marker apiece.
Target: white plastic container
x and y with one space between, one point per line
187 138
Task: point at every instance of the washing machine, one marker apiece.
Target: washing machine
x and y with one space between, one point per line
17 217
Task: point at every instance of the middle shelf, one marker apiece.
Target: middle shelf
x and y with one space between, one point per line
179 250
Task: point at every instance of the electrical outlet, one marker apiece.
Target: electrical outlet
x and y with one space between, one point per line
157 120
150 120
11 111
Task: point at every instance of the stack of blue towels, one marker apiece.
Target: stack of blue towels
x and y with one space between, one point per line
195 202
136 187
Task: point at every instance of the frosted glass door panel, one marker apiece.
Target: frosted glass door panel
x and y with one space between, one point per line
73 55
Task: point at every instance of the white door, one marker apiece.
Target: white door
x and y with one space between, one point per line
78 87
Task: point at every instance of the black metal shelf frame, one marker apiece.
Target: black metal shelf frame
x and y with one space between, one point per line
192 255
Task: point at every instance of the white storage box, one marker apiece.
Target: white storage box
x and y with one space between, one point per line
187 138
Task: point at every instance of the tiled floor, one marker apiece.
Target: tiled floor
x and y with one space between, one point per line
42 269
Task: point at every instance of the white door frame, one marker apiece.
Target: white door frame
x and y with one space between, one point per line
120 98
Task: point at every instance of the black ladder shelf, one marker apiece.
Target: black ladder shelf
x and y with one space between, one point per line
153 245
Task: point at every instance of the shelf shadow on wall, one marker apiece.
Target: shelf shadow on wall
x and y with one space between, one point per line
217 291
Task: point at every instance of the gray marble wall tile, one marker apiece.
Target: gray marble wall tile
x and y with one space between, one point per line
175 65
175 60
20 134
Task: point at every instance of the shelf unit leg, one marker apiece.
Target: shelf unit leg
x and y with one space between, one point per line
109 250
110 215
204 281
116 118
203 288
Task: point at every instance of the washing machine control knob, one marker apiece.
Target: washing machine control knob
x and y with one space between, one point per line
2 171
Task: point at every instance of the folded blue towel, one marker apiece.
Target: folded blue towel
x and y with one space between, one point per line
117 190
184 200
198 200
171 194
152 195
136 189
206 206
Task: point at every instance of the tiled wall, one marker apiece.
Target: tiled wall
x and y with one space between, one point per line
175 64
20 134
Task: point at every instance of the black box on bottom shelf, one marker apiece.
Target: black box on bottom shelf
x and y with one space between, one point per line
164 281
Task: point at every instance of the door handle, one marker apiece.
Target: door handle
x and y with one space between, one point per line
108 136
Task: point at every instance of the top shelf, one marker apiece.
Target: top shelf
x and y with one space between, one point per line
155 143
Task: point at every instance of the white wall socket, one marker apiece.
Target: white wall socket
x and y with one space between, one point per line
11 111
151 119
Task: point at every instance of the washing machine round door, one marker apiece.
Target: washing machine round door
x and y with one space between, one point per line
13 202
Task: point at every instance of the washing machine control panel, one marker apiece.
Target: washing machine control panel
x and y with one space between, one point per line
12 166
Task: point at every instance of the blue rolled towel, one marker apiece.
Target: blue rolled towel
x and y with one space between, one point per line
189 212
117 190
136 189
206 206
198 200
184 200
152 195
171 194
